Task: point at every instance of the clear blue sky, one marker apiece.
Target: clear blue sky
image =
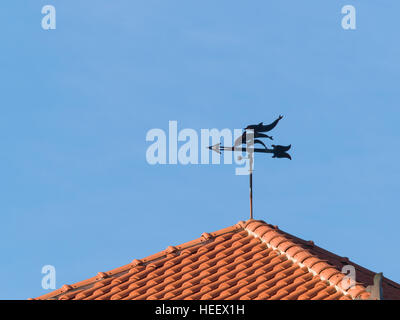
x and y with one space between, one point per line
77 102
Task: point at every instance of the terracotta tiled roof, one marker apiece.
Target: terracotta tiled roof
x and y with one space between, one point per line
250 260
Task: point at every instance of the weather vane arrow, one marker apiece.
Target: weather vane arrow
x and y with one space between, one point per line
251 136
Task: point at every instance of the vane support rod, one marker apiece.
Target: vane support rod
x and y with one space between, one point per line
251 184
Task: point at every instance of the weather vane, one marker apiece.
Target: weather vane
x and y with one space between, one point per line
248 138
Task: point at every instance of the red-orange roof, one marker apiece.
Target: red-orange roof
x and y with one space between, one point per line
250 260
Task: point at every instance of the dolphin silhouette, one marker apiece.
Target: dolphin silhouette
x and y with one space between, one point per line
244 138
262 127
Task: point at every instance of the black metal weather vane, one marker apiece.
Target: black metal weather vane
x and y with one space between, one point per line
251 135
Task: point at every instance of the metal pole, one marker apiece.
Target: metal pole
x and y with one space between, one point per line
251 184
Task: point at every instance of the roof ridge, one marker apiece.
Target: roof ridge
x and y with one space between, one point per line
300 254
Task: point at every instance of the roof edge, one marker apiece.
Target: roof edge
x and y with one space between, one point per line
66 288
280 241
